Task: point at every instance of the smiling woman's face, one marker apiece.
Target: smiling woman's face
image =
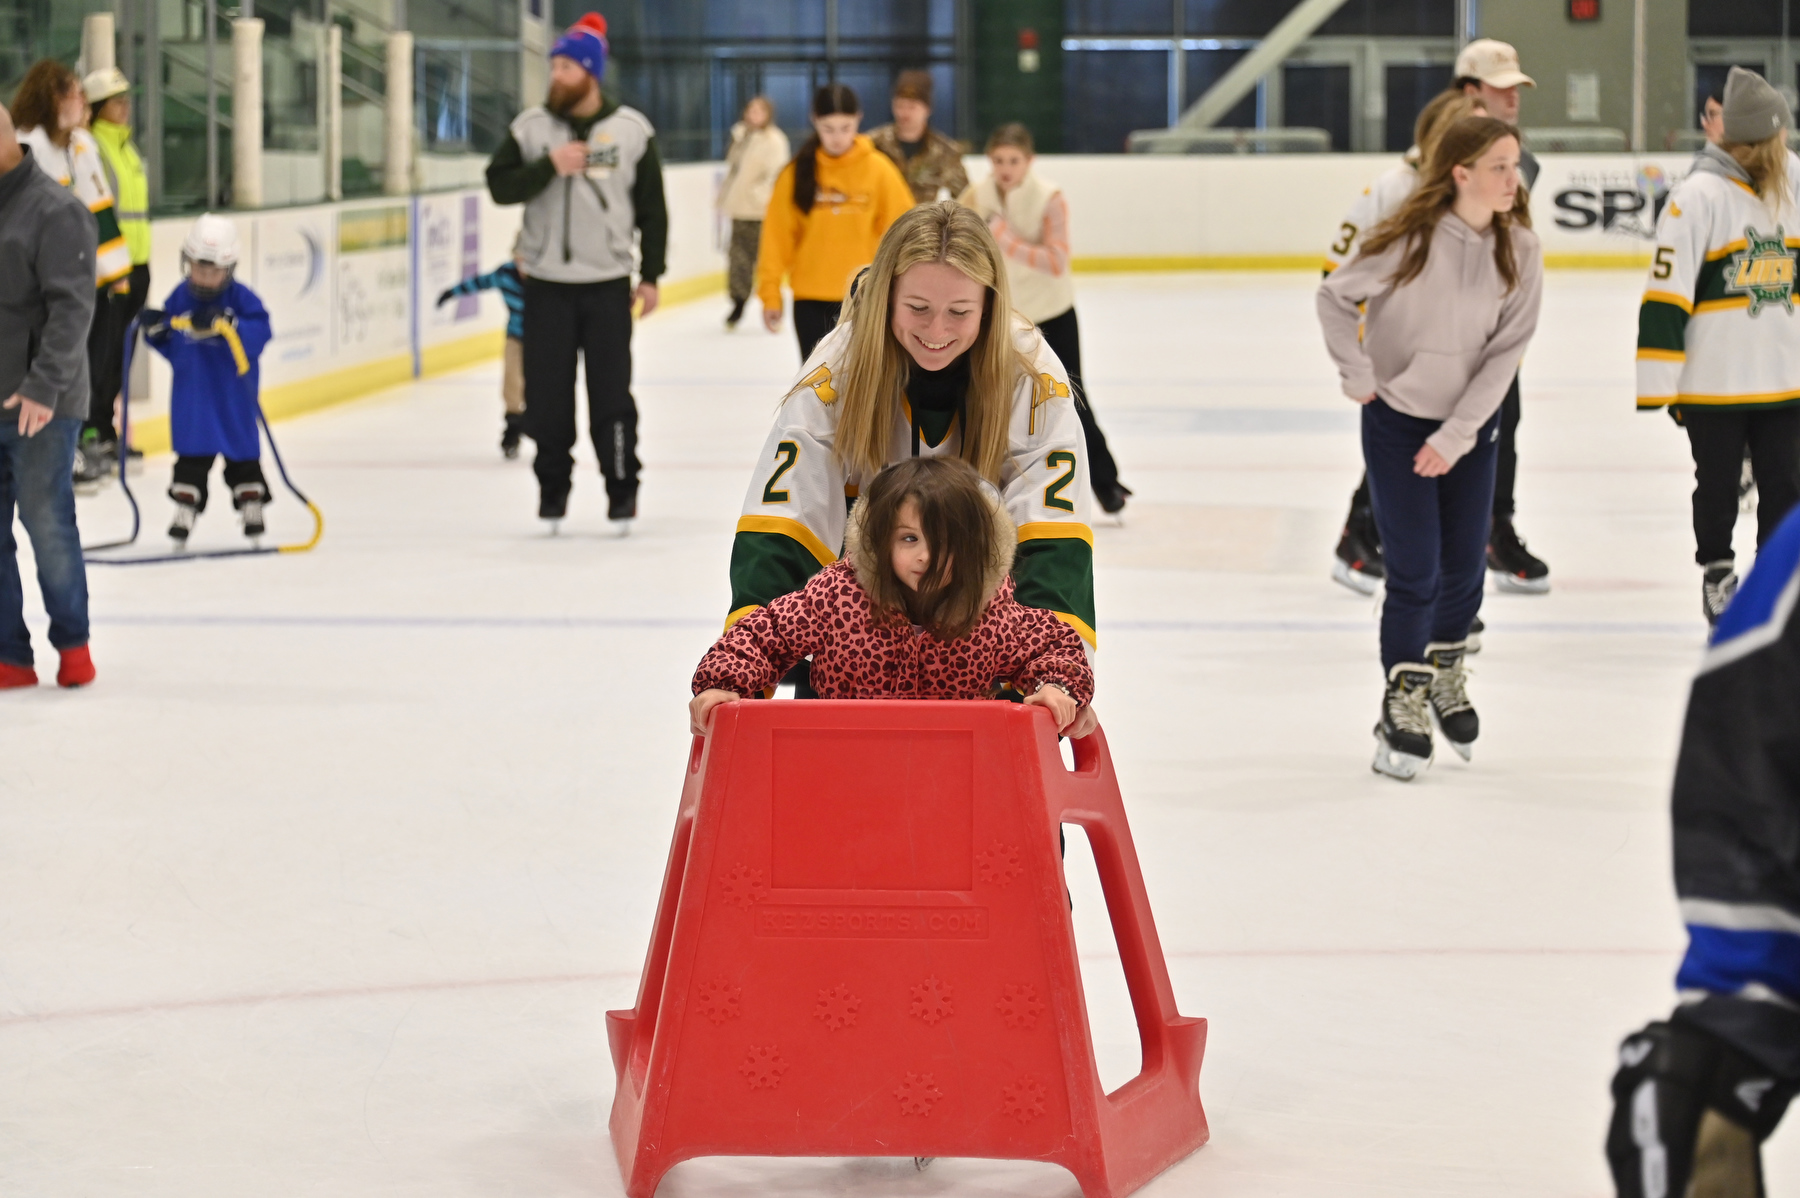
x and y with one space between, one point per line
937 313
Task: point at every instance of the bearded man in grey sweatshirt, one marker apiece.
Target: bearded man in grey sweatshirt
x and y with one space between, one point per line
47 246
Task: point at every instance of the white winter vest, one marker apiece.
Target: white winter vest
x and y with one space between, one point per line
1037 295
581 228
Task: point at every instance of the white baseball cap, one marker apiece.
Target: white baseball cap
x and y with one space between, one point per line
1494 63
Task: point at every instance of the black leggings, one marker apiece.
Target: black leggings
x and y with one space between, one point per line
1718 438
812 320
1063 334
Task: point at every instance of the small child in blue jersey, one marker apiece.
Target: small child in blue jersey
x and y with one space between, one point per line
510 283
212 329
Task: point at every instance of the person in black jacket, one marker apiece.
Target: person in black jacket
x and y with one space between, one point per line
1697 1094
587 170
47 246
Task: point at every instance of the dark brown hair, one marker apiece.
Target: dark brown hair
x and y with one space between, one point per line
957 521
913 85
834 99
1461 145
1011 134
34 104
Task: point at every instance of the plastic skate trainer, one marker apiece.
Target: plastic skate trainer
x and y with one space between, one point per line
864 948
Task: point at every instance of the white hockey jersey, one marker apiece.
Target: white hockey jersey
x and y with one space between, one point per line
795 508
1378 201
1717 326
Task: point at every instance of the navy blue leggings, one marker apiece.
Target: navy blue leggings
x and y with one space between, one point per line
1434 531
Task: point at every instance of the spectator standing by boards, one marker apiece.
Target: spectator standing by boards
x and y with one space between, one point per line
47 244
759 149
109 100
587 170
930 162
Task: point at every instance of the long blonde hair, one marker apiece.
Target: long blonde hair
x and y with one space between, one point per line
1444 110
1766 162
871 382
1462 144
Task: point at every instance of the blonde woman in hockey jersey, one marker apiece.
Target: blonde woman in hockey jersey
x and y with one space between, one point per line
1718 337
1427 325
929 360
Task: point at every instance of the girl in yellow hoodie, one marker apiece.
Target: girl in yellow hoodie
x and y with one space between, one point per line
830 207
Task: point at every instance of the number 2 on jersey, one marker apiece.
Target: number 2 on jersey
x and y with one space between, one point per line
789 453
1053 496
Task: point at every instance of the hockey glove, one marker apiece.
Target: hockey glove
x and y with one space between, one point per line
153 322
1690 1108
202 317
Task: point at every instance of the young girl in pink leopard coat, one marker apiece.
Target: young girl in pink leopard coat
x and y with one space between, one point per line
920 607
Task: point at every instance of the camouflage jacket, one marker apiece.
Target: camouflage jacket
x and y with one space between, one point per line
937 164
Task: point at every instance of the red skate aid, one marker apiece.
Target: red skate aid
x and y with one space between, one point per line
864 948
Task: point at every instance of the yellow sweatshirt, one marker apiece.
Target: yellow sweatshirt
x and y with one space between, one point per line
861 192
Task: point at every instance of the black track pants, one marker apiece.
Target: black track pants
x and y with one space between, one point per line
1718 438
1063 334
593 319
812 320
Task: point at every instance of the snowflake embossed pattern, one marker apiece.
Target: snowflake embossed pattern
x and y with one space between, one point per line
1019 1006
999 864
718 1000
763 1067
837 1007
1024 1100
917 1094
744 887
931 1001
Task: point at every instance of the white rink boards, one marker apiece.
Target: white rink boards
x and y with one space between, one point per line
323 887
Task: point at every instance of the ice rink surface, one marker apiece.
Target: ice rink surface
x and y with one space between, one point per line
323 888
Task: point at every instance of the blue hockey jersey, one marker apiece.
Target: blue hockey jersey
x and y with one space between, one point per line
213 347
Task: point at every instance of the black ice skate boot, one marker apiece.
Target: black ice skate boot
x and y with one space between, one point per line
553 506
622 510
1112 497
1358 564
1403 737
736 314
510 437
187 510
248 499
1511 564
1449 700
1717 586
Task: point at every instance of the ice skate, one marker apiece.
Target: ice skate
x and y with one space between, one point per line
248 499
1112 499
1456 717
1403 737
553 506
187 510
1717 586
1476 628
1358 563
90 465
1513 567
621 510
736 314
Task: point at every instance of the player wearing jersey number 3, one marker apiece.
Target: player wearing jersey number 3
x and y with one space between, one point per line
928 361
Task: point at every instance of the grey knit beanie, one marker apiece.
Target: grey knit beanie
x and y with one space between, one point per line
1754 111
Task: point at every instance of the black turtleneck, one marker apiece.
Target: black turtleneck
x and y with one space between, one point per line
936 397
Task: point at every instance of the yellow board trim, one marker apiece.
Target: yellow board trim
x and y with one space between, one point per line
1054 530
1721 305
739 614
1669 297
1079 625
464 351
1160 263
683 290
1661 355
791 529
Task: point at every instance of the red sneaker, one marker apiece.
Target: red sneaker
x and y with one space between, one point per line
11 676
77 667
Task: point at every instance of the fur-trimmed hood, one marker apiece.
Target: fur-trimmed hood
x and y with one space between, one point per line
867 561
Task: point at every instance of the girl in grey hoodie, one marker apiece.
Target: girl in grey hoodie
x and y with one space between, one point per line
1451 284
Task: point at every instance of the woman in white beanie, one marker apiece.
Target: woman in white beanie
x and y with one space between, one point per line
1718 337
759 149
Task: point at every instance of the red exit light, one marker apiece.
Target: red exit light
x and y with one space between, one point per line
1584 10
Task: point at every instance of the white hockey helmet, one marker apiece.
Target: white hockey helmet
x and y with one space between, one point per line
213 239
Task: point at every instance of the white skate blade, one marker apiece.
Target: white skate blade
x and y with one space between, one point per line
1395 764
555 526
1356 580
1514 585
621 528
1466 752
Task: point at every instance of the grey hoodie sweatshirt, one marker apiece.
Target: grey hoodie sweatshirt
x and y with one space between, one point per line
46 291
1446 345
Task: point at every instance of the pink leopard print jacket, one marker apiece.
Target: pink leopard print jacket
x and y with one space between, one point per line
854 657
